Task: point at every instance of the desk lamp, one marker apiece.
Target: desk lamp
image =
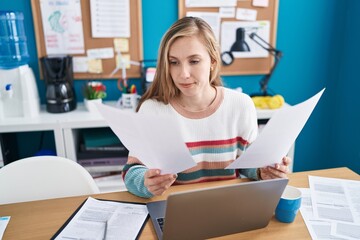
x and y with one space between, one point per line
276 53
240 45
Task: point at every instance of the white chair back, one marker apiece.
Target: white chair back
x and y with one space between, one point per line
44 177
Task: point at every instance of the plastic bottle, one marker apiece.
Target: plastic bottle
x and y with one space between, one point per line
13 43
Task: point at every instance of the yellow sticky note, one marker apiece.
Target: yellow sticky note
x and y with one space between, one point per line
95 66
121 44
123 58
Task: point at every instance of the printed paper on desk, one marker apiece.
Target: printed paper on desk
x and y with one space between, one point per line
277 136
154 140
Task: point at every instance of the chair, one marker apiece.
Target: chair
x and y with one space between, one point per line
44 177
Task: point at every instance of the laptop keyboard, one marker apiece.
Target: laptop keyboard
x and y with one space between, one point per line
161 222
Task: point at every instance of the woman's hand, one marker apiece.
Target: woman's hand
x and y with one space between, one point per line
278 171
157 183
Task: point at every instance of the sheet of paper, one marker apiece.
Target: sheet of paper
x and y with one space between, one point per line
80 64
277 136
121 59
62 23
335 199
154 140
349 231
95 66
227 12
246 14
100 53
110 18
96 217
121 45
210 3
3 223
318 229
260 3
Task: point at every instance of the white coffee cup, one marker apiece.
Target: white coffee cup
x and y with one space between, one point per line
128 101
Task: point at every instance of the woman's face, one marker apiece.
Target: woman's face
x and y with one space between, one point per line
190 64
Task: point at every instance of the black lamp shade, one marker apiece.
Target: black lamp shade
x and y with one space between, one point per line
240 45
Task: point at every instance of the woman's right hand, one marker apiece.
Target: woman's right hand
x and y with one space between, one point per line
156 183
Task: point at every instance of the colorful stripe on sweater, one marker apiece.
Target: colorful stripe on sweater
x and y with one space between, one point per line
207 169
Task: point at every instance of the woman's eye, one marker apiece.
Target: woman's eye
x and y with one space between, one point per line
173 62
194 61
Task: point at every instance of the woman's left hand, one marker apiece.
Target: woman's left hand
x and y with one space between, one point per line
278 171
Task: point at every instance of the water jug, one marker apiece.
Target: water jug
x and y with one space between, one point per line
13 45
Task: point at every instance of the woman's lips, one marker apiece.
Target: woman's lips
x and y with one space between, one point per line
186 85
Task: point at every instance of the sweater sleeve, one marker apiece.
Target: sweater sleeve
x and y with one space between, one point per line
249 173
134 181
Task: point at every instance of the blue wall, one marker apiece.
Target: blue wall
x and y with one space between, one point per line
319 40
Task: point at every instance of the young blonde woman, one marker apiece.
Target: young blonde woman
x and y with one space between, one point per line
217 124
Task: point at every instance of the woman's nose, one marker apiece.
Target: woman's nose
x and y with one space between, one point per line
185 73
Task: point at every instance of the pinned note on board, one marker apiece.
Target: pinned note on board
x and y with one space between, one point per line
95 66
260 3
121 45
123 59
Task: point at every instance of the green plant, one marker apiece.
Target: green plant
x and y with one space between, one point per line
94 90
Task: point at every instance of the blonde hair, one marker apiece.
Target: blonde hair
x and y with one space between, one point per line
163 88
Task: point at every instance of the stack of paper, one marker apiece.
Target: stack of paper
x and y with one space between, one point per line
331 208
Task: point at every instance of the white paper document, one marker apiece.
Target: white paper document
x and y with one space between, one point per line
319 229
277 136
110 18
155 140
331 208
210 3
3 223
335 199
100 219
62 26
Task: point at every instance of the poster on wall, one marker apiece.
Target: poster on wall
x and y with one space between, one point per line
62 23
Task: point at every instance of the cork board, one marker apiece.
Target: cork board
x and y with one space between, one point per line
135 49
245 66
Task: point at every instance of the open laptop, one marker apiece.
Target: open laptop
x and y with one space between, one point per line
217 211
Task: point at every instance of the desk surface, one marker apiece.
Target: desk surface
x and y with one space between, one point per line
41 219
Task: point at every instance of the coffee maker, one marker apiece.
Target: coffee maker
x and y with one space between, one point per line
58 74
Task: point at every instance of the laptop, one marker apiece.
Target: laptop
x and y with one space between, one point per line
216 211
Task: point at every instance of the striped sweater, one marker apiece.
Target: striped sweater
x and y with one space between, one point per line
215 138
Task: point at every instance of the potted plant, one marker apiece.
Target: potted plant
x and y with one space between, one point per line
94 91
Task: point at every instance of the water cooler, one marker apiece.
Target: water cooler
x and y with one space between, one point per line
18 91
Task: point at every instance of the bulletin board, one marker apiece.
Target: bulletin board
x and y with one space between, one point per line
245 66
135 49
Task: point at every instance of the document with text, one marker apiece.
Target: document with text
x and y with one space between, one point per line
331 207
276 138
102 219
155 140
335 199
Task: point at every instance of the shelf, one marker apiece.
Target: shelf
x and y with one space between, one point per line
112 183
101 169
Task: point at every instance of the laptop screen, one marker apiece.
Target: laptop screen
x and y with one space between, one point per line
217 211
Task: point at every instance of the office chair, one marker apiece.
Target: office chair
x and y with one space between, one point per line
44 177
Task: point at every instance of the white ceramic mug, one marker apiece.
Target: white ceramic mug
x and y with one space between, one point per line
128 101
